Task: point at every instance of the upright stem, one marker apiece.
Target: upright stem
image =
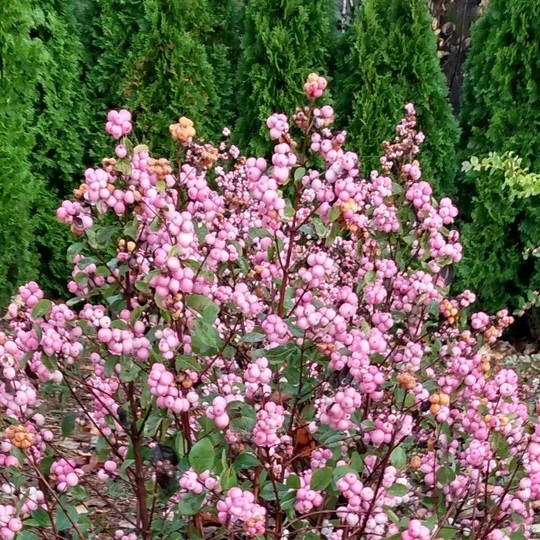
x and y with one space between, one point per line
290 247
143 521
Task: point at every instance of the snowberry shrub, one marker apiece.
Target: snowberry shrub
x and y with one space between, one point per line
263 350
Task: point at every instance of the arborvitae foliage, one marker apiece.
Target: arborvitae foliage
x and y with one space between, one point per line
20 60
223 49
109 30
61 117
284 41
501 112
63 111
171 72
390 59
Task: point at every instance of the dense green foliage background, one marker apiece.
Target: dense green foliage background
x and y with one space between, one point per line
65 63
390 59
284 41
501 112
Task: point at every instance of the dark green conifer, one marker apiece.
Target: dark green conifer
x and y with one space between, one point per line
179 66
20 62
284 41
501 113
390 59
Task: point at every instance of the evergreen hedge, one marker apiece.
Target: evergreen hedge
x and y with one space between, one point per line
180 66
500 113
390 59
61 120
20 62
112 28
283 42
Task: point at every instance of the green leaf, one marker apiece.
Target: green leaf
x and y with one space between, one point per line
110 365
120 325
321 479
370 277
62 521
333 233
135 314
398 458
74 301
445 475
41 517
268 492
74 249
392 516
68 423
104 234
49 362
130 229
253 337
202 304
293 481
398 490
334 213
129 371
246 460
287 502
140 148
228 479
155 225
242 424
447 532
191 504
27 535
299 173
179 444
357 462
205 338
320 227
500 445
257 232
124 467
41 308
201 456
185 361
123 166
367 426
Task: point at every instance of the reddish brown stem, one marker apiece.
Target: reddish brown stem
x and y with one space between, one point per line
143 521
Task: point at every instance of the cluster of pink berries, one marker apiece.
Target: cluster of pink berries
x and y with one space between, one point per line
278 125
162 385
269 420
72 213
416 531
66 473
314 86
352 333
218 410
336 412
118 123
257 377
275 329
121 535
197 483
10 524
240 506
307 498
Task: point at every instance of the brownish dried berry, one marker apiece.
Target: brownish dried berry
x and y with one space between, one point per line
415 463
182 131
406 381
20 436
